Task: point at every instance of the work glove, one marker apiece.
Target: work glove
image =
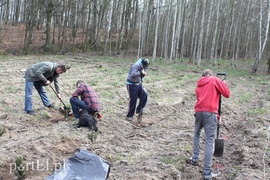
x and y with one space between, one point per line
59 96
143 73
47 83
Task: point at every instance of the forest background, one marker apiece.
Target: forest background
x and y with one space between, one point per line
210 30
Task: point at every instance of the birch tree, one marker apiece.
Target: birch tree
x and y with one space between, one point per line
156 31
208 24
109 27
214 37
193 39
261 41
232 15
17 12
183 45
30 22
201 30
49 12
173 42
181 5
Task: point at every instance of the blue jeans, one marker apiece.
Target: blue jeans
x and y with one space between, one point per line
208 121
77 104
135 92
29 91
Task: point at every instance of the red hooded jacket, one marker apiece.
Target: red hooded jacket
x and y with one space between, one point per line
208 93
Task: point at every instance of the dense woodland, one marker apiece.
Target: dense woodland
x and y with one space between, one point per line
208 30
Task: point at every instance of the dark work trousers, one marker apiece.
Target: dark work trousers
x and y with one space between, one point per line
135 92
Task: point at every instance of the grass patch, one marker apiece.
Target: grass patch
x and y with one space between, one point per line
108 93
257 111
235 172
20 167
2 130
169 160
92 136
94 83
245 98
45 115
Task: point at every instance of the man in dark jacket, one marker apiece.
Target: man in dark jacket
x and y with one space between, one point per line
208 91
84 98
135 87
39 75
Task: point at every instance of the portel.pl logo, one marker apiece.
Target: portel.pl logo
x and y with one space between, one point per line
36 165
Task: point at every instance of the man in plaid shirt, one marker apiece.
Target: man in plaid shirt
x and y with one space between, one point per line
88 99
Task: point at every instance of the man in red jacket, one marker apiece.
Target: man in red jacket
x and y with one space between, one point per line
208 91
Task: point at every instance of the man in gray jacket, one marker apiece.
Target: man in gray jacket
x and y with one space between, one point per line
135 87
39 75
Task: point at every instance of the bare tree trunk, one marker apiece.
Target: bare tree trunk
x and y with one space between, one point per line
248 32
201 31
130 23
166 34
93 24
193 39
49 12
222 41
7 11
181 5
144 31
64 21
108 28
213 45
261 42
228 50
120 26
101 13
156 31
183 45
30 22
173 43
236 38
210 12
139 54
17 12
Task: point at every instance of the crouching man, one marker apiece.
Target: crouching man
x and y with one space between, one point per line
84 98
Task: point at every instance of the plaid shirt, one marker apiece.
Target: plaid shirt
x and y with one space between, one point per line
88 95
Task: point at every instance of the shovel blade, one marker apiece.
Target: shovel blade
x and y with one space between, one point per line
66 108
219 147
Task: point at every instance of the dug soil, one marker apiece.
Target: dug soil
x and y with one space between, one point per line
153 150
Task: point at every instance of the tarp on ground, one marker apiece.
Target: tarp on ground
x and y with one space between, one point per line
84 165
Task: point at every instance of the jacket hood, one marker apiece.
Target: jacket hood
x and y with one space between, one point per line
139 62
203 81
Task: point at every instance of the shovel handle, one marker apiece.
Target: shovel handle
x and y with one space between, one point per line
224 77
222 74
65 107
217 131
219 108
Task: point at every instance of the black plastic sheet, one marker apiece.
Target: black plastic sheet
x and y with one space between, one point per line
84 165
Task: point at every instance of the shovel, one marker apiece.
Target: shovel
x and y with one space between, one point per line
66 109
219 143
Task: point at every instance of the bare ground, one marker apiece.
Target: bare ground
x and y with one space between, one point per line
154 150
